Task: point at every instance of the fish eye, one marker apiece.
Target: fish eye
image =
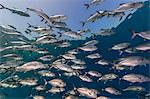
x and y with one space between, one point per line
138 89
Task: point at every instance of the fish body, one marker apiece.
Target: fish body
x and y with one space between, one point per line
78 61
91 42
55 90
94 56
69 56
71 34
133 61
30 66
78 67
105 32
112 91
63 67
16 11
57 83
58 18
120 46
94 73
42 15
145 35
28 82
109 76
94 17
134 88
143 47
46 73
90 93
94 2
129 6
85 78
136 78
88 48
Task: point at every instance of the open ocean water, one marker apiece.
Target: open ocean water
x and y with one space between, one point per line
139 22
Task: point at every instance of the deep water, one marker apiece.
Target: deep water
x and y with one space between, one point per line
138 22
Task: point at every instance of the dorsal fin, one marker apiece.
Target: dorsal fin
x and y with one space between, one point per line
122 3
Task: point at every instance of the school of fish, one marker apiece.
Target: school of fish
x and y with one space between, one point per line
50 68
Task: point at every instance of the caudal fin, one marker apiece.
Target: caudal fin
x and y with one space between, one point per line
87 6
60 34
134 34
83 23
29 25
2 7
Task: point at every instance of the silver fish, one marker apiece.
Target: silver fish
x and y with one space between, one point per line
94 73
46 73
133 61
90 93
28 82
104 32
88 48
91 42
59 17
145 35
94 56
102 97
129 6
7 85
46 58
85 78
55 90
40 88
78 62
63 67
107 77
112 90
78 67
42 15
69 56
16 11
103 62
57 83
120 46
94 2
136 78
135 88
30 66
84 31
143 47
71 34
38 97
93 17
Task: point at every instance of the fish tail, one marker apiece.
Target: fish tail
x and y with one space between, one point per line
98 80
93 35
60 34
120 52
87 6
45 82
29 25
50 26
120 18
134 34
120 80
83 23
26 32
2 7
109 49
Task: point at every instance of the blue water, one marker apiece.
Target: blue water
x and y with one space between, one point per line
138 22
